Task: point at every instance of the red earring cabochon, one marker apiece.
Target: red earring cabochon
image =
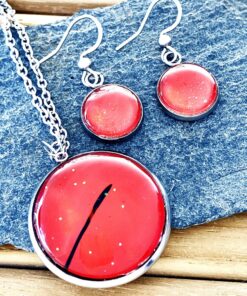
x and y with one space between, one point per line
113 202
187 91
111 112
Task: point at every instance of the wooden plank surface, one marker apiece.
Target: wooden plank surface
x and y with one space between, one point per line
60 7
16 282
217 250
38 19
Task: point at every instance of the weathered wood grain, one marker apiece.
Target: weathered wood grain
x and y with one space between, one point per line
16 282
63 7
38 19
214 251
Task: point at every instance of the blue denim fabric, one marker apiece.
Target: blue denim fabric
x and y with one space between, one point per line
201 164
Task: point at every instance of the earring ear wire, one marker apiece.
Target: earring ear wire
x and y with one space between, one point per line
66 34
90 78
169 55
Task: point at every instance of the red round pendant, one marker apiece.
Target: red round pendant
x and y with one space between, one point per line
100 219
187 91
111 112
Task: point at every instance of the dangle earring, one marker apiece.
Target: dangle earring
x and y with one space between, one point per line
109 111
187 91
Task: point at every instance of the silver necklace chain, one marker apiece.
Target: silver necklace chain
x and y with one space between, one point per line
58 150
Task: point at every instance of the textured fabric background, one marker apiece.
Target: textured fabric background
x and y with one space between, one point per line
202 164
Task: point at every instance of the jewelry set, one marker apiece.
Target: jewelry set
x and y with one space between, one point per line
101 219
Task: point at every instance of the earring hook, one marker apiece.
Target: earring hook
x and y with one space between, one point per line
84 53
149 10
90 78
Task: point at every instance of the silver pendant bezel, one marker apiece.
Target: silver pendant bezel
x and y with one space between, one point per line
112 282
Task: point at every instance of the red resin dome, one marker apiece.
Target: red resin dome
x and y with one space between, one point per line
99 216
111 112
187 91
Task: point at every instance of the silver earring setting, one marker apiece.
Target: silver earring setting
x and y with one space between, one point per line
109 111
186 91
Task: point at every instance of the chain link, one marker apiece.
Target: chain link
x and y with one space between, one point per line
58 150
